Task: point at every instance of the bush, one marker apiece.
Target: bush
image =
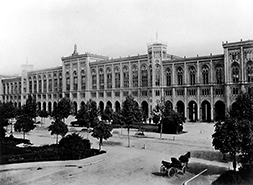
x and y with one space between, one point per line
73 147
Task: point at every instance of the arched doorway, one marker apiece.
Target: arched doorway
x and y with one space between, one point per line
49 108
117 106
144 106
206 111
101 106
82 104
75 107
180 108
44 106
15 104
109 104
55 105
193 110
19 105
219 111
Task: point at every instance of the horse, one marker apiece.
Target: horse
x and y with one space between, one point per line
185 158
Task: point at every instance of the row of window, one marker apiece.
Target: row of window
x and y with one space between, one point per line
50 86
12 88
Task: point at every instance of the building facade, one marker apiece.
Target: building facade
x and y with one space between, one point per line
201 88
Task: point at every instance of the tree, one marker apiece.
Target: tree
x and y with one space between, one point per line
91 116
107 113
43 114
227 138
24 124
131 113
88 113
234 135
63 109
170 121
30 107
102 131
58 127
7 111
81 115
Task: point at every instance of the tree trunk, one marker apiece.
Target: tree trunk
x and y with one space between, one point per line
161 130
128 134
100 143
234 162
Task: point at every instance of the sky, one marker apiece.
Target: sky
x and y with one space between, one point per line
40 32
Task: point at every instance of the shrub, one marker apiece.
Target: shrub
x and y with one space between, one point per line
73 146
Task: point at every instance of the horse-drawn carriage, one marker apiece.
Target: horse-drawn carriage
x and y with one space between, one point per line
175 166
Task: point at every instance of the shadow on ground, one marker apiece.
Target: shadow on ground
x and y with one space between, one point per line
196 168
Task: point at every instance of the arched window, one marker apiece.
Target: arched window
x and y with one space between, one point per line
30 85
144 76
60 82
44 84
94 79
117 77
135 76
67 81
109 78
235 73
157 75
75 84
180 76
34 84
250 71
192 75
55 83
40 84
101 79
168 77
205 74
50 83
83 84
125 76
219 74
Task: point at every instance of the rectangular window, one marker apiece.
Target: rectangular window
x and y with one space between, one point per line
168 92
74 95
117 94
135 93
101 94
125 93
157 93
144 93
109 94
93 94
180 92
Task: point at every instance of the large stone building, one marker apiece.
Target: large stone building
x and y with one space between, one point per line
201 88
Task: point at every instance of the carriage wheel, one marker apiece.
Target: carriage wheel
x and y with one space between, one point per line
163 169
171 172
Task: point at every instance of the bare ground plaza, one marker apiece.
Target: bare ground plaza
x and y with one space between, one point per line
138 164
